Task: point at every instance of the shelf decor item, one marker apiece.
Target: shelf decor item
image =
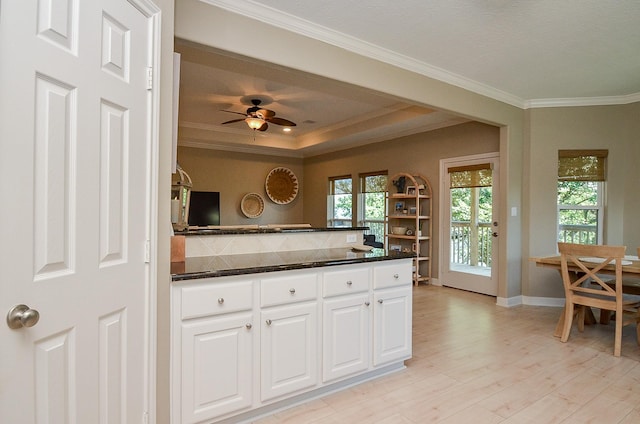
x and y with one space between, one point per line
281 185
180 200
408 226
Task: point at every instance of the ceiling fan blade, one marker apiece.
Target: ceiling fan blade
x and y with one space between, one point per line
266 113
231 111
263 127
232 121
281 121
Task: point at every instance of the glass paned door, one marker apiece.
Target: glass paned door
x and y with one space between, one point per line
470 225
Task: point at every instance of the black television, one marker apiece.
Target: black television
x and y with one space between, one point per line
204 208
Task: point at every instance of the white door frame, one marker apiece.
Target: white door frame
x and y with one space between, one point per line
153 12
443 227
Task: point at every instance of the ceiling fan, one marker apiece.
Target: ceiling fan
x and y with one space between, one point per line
258 118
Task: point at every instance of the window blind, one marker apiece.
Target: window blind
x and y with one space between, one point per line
470 176
582 165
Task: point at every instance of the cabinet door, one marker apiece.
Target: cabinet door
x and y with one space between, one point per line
289 345
392 325
216 366
346 335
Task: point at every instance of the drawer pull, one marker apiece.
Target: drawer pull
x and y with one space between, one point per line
349 283
248 326
292 291
366 303
268 322
221 300
380 301
396 276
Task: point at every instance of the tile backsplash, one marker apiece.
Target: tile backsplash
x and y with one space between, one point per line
237 244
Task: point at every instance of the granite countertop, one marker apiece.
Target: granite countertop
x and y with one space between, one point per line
226 265
255 229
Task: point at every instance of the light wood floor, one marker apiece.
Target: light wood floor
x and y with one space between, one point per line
475 362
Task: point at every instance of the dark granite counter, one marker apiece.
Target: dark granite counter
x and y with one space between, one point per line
210 231
226 265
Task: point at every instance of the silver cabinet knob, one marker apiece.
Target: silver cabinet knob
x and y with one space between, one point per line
292 291
380 301
221 300
366 303
349 283
22 316
396 276
268 322
248 326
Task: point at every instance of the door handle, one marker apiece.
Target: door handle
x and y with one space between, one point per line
22 316
494 234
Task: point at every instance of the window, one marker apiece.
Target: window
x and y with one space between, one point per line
471 194
372 203
581 177
340 202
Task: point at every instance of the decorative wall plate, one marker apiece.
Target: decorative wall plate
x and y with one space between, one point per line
252 205
281 185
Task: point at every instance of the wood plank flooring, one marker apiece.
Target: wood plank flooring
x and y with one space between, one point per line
477 362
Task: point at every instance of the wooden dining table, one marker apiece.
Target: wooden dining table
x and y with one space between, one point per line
630 273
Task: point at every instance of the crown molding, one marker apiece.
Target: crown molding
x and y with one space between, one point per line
583 101
238 148
286 21
312 30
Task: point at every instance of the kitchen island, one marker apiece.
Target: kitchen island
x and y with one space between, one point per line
262 330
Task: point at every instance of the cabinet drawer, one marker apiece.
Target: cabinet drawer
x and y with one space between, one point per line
336 283
288 289
216 298
392 274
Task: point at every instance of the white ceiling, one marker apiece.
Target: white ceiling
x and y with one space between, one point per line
527 53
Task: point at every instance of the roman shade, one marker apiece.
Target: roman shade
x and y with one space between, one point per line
470 176
582 165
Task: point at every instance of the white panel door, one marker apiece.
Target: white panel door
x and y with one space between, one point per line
75 139
217 374
289 349
392 325
346 329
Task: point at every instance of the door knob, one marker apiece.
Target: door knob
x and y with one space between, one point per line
22 316
495 234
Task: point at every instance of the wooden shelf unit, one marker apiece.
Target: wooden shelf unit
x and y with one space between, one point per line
412 209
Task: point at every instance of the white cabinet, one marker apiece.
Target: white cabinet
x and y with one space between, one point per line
346 336
215 334
242 343
346 322
289 334
392 325
216 367
392 313
288 350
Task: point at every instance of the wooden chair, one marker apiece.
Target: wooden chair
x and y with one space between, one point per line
584 288
629 286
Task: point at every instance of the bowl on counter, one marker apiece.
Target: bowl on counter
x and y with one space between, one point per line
399 231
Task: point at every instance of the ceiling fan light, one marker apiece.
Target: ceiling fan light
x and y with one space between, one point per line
254 123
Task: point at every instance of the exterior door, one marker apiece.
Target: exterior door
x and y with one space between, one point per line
75 142
470 223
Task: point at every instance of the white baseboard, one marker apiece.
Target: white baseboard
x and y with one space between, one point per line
530 300
509 302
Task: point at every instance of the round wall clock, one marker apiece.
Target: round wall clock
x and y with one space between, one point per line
281 185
